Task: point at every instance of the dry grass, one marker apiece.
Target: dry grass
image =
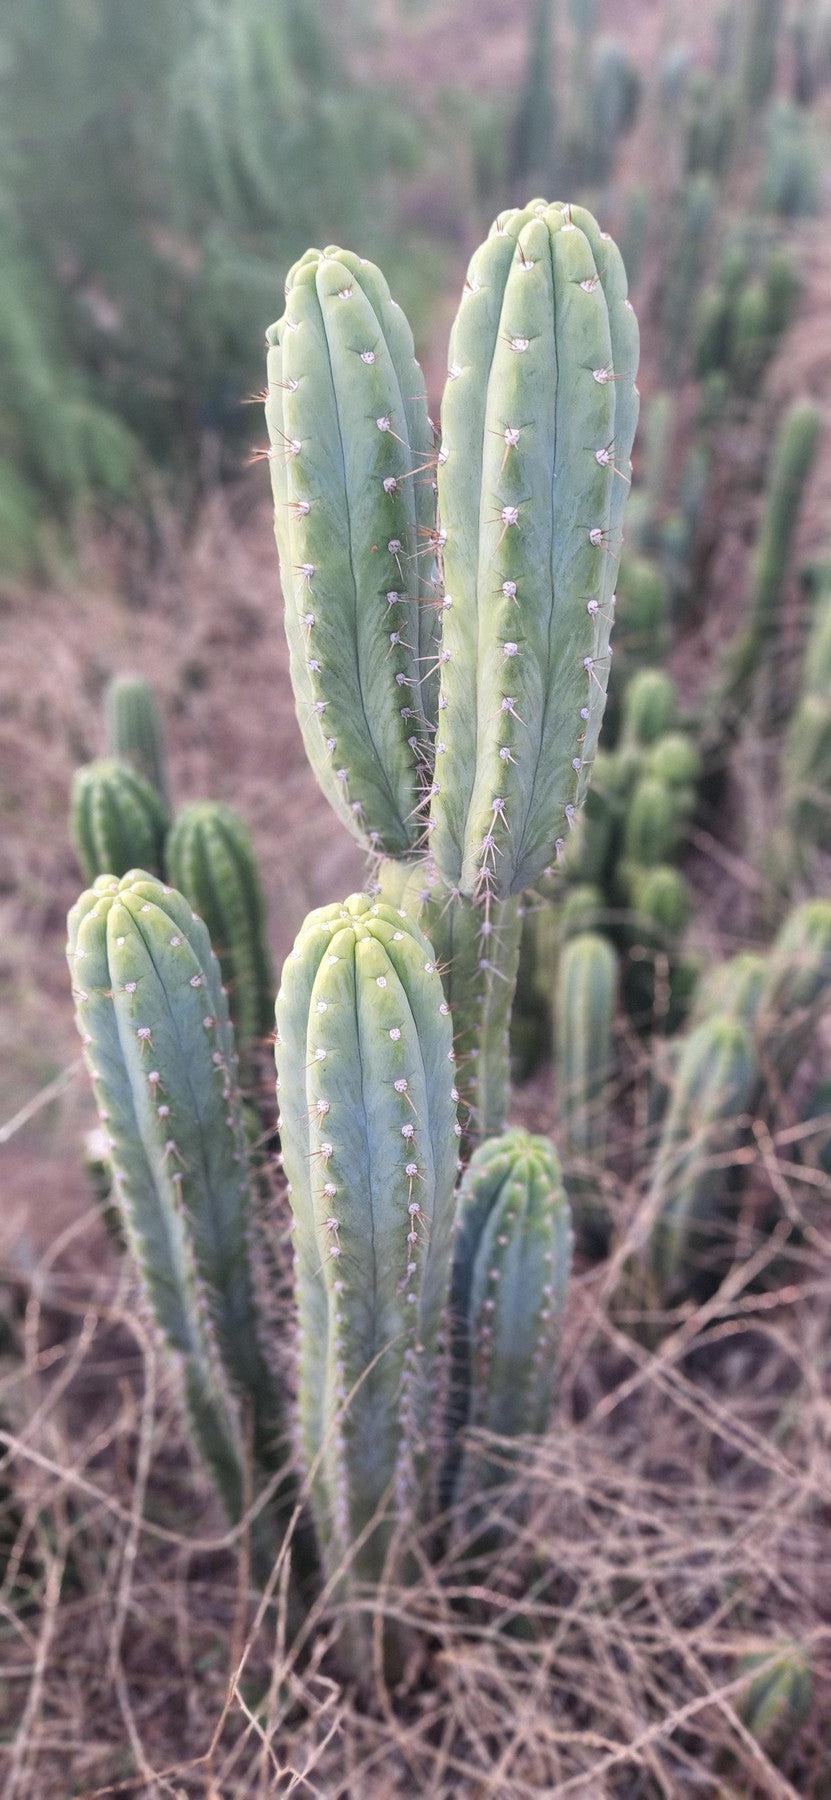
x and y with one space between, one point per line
674 1522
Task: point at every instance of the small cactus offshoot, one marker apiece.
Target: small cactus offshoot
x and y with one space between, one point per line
118 820
210 858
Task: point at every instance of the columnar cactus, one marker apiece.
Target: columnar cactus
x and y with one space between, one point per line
798 981
778 1696
734 988
118 821
210 859
584 1011
135 733
477 952
793 459
369 1135
806 758
651 825
759 51
713 1086
510 1280
693 225
537 424
650 705
352 464
160 1050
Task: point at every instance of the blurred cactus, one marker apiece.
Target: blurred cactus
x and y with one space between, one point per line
210 859
510 1281
368 1126
118 821
160 1050
633 233
583 1050
650 831
713 1086
534 145
689 256
760 49
791 183
135 733
650 706
806 754
710 126
734 988
797 985
793 459
778 1696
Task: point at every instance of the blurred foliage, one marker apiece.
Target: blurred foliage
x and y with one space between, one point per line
164 164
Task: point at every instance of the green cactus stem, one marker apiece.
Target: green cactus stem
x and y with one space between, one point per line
734 987
353 470
651 826
160 1049
797 986
759 51
538 418
369 1135
510 1282
477 951
210 859
713 1087
688 263
118 821
778 1697
135 733
650 705
584 1011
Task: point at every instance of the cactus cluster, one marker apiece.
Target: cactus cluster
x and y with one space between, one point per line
120 820
743 314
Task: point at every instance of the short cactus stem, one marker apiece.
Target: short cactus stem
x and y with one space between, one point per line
210 859
650 705
734 987
370 1145
797 986
584 1013
159 1046
714 1083
353 467
540 400
510 1282
476 947
135 733
118 820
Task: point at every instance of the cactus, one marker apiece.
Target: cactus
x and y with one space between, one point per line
798 983
650 830
356 538
510 1280
806 755
793 459
613 109
584 1010
210 858
118 821
135 733
675 760
760 51
650 704
734 988
633 233
534 137
778 1697
160 1050
691 235
540 401
369 1135
644 604
477 953
710 126
791 185
714 1083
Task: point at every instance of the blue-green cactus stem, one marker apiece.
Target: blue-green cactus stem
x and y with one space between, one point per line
477 951
156 1010
510 1281
135 733
651 826
210 859
353 471
650 706
538 418
370 1145
118 820
713 1087
584 1012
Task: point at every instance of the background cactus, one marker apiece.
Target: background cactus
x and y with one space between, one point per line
760 46
135 733
369 1134
118 821
584 1011
210 859
510 1279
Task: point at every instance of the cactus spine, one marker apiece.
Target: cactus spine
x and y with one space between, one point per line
160 1049
541 391
510 1280
118 821
135 733
713 1086
210 859
352 472
369 1133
